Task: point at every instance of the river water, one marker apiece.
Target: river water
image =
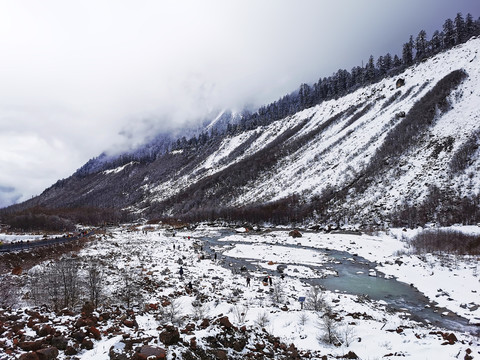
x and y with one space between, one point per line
353 276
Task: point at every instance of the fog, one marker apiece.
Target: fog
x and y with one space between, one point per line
80 78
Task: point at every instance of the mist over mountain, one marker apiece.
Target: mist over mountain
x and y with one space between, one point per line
393 142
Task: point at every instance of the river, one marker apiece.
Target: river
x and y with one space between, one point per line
352 275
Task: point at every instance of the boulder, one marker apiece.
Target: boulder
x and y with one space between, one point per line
17 270
70 350
225 322
59 342
87 344
30 345
79 336
295 233
170 335
150 353
45 330
28 356
95 332
350 355
50 353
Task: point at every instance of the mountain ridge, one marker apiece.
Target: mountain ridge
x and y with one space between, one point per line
317 162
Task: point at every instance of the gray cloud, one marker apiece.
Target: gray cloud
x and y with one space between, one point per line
79 78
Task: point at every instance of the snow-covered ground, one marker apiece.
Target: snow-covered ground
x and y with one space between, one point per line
366 327
8 238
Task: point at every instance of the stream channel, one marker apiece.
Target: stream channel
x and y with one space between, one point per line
352 278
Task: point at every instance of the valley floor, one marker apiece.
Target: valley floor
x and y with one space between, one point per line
213 286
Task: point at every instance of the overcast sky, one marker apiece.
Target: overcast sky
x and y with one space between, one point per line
81 77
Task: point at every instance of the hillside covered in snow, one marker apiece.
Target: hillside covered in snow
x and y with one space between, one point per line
401 151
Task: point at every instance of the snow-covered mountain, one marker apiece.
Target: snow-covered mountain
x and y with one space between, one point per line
404 149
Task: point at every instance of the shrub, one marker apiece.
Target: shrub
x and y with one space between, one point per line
446 241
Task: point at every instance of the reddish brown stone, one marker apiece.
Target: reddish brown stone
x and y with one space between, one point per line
95 332
87 344
30 345
17 270
225 322
84 321
129 323
221 355
50 353
150 352
70 350
29 356
45 330
205 323
170 335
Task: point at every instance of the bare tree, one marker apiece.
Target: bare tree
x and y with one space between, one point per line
262 319
240 312
347 334
199 310
328 327
67 269
7 291
130 290
302 318
51 281
173 311
94 282
315 299
278 292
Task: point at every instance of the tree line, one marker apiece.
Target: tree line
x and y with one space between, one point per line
342 82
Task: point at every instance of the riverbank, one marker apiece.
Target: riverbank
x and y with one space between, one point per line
212 288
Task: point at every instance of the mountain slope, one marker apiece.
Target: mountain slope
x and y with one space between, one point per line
366 157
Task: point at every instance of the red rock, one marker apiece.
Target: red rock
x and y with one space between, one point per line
221 355
29 356
225 322
50 353
45 330
30 345
129 323
150 353
295 233
81 322
351 355
95 332
170 335
17 270
87 344
205 323
70 350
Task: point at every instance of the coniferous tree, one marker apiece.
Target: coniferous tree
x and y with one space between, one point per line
421 45
396 61
436 43
370 70
380 66
448 34
387 62
469 26
460 35
407 53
